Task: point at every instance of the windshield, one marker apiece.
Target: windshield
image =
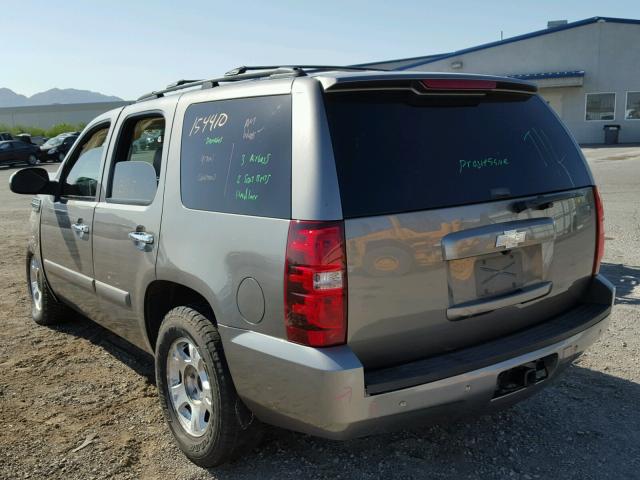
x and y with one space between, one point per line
398 152
53 142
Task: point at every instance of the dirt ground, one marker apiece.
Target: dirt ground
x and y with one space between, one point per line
60 386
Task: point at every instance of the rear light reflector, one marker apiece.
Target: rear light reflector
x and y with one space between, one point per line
315 283
458 84
599 231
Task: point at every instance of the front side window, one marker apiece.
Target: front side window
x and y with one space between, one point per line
82 178
236 156
600 106
632 108
138 160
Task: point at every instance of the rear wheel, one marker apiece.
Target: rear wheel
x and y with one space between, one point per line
208 420
45 309
32 160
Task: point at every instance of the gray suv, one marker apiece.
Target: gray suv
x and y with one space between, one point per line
333 251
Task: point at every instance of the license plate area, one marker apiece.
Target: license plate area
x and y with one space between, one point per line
499 274
495 274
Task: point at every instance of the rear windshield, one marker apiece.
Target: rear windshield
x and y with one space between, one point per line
399 152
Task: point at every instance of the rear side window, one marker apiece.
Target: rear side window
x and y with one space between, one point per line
236 156
137 163
399 152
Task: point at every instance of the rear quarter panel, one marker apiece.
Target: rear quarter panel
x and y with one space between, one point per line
212 252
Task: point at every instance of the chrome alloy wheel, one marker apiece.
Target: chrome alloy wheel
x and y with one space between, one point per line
35 283
189 387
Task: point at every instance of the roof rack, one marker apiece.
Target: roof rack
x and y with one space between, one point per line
248 73
244 69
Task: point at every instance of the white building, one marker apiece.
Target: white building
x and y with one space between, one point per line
588 71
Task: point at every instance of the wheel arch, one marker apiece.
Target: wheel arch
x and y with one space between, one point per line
163 295
34 245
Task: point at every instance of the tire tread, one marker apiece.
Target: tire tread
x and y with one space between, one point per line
232 440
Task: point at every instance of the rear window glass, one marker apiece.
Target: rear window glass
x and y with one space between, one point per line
398 152
236 156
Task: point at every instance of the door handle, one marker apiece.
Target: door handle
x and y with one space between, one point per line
141 238
80 227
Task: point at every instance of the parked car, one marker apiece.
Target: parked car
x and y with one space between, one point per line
332 251
38 140
24 137
16 151
147 141
55 149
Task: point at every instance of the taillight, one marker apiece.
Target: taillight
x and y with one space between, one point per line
458 84
599 231
315 283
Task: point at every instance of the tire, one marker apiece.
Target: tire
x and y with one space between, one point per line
32 160
61 157
45 309
386 261
189 357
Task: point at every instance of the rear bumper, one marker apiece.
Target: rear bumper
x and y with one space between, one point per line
326 392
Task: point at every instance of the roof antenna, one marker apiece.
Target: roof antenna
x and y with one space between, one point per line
501 35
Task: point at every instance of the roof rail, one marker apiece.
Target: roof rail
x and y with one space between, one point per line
247 73
181 82
244 69
214 82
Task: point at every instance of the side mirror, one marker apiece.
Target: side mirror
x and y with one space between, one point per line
134 182
32 181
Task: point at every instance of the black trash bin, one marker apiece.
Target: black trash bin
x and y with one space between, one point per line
611 134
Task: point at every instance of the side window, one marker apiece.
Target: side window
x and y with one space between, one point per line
600 106
138 161
236 156
82 177
632 107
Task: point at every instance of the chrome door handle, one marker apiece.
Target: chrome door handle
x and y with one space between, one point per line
80 227
141 238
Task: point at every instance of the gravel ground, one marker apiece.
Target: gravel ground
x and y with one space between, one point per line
61 386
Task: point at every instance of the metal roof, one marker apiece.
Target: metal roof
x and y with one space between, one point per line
545 75
401 60
538 33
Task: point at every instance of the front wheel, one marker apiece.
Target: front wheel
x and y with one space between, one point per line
208 420
32 160
60 157
45 309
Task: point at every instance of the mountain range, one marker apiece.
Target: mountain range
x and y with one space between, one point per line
9 98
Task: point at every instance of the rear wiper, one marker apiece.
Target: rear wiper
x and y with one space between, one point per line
542 202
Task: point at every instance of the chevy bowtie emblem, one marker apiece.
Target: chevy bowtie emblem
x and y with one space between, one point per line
510 239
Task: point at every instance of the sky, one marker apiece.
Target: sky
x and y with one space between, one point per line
127 48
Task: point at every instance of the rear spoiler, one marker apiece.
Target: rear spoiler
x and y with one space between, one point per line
427 83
